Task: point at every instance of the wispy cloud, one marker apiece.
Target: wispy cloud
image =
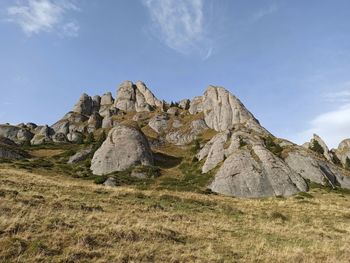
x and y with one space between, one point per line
340 96
260 14
180 25
332 126
36 16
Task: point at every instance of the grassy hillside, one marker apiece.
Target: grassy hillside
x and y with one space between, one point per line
50 217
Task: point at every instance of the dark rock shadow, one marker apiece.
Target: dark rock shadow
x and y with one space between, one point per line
166 161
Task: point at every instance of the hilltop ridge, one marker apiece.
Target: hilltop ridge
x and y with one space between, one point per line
214 131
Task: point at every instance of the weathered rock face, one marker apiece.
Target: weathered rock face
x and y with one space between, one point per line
123 148
96 103
106 104
84 105
10 150
261 174
16 134
94 122
147 95
246 167
107 122
343 151
214 151
44 135
131 97
186 136
159 123
59 138
184 104
80 156
75 137
317 139
196 105
173 111
222 110
315 169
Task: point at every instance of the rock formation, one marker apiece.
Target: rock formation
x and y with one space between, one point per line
244 159
135 97
80 155
343 151
316 141
124 147
84 105
16 134
10 150
222 110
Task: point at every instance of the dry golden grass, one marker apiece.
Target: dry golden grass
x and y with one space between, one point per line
46 152
53 218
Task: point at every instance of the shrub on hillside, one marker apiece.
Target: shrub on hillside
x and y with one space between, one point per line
316 147
273 147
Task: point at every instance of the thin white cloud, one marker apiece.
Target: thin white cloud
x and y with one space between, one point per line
260 14
70 29
36 16
340 96
333 127
179 24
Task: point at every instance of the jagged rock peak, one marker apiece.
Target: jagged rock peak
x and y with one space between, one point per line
135 97
84 105
317 144
222 110
343 151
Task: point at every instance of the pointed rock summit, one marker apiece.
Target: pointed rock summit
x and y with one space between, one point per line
222 110
135 97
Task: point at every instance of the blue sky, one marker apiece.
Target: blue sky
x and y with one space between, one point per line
287 60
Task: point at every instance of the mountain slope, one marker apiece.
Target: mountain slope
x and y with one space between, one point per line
49 217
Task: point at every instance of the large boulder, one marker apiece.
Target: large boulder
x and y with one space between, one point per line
124 147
